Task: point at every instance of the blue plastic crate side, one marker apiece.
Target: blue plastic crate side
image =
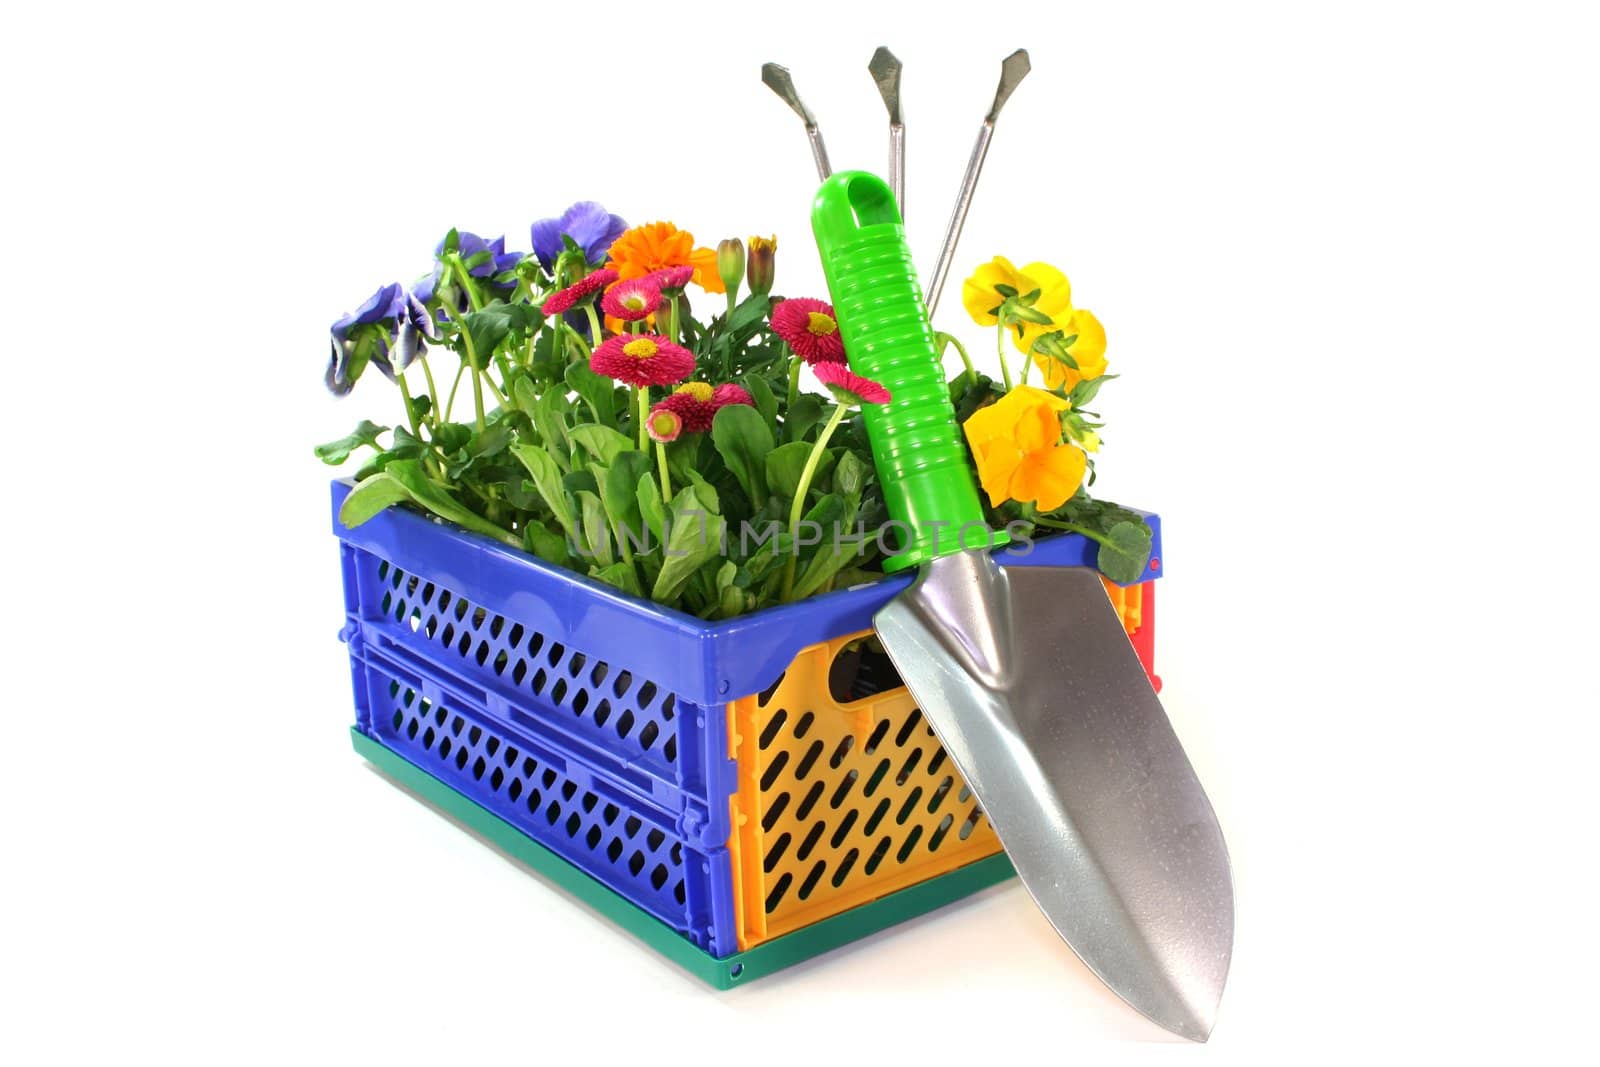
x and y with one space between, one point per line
749 652
350 567
659 643
708 663
607 833
606 720
628 716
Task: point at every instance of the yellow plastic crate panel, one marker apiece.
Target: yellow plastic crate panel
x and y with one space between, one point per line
842 801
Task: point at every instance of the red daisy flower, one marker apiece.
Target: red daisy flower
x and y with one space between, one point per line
693 403
566 299
632 300
810 328
729 393
664 425
848 387
672 277
642 359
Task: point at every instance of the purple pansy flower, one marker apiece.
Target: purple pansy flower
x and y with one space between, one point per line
469 245
587 223
389 329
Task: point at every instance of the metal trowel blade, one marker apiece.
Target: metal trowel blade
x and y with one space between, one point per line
1028 678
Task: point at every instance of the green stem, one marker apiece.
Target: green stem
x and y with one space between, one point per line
961 349
1072 527
433 392
477 375
641 396
794 382
464 276
797 509
450 404
1005 371
405 395
666 478
672 322
595 333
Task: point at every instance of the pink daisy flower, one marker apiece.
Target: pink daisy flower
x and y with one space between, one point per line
664 425
729 393
810 328
697 403
671 277
641 360
632 300
565 300
848 387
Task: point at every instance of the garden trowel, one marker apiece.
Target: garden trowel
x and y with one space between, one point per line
1026 673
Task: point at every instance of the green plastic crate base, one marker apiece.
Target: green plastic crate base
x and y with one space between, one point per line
724 973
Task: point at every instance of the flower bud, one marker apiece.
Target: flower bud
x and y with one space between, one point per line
730 264
763 250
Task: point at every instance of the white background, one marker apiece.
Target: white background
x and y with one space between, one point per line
1347 260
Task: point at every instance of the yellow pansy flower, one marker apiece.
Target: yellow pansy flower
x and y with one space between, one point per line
980 297
1089 351
1017 443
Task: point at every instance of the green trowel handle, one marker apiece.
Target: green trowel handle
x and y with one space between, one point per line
916 446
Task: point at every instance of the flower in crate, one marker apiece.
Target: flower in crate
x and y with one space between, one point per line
849 388
1083 341
388 330
810 328
564 300
492 260
632 299
1036 292
1017 444
761 264
642 360
664 425
728 393
697 403
661 245
671 279
591 227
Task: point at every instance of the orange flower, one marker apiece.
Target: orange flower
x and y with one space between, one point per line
1017 443
657 245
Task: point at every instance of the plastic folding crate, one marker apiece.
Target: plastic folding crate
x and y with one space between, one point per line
742 795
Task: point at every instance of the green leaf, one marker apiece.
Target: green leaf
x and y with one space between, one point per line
538 539
452 436
766 403
1007 291
601 442
549 419
750 311
1085 391
621 575
598 392
488 328
805 414
336 452
743 439
787 462
369 498
427 494
525 397
838 548
619 485
1126 552
850 475
546 476
651 510
596 539
693 538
